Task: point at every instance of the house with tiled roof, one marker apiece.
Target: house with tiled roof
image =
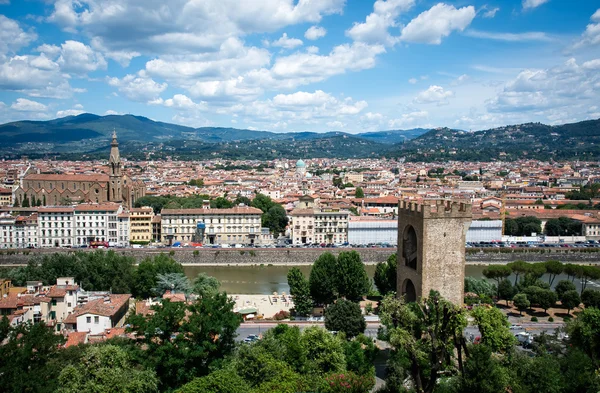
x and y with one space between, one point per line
98 315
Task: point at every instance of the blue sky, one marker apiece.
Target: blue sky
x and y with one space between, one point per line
293 65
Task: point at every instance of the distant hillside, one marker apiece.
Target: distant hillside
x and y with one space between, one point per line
532 140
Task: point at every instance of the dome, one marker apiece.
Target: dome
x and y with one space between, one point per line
300 164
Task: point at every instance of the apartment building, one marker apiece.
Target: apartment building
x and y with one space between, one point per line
310 224
7 231
140 224
96 222
26 231
238 225
6 196
123 230
56 226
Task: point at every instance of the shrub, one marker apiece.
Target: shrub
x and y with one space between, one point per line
348 382
172 252
252 253
550 319
196 253
534 319
281 315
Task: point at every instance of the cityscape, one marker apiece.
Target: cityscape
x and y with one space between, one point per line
290 196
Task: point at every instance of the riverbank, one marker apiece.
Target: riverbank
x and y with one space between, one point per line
307 256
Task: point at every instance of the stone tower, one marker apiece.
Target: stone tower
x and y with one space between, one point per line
431 248
115 193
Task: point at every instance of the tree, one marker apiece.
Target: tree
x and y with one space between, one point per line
483 373
174 282
554 268
205 285
563 286
494 328
586 274
570 300
275 219
345 316
242 200
547 299
359 193
147 272
585 333
506 290
590 298
325 352
196 182
352 281
385 277
29 358
518 268
220 381
183 341
221 203
25 201
562 226
262 202
521 302
571 271
322 279
106 368
480 287
337 182
300 290
429 332
497 273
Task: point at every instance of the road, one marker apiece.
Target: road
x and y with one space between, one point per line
259 328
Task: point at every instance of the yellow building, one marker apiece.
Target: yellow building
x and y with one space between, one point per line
140 224
4 287
5 197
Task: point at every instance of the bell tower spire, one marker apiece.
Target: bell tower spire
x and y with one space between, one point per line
114 163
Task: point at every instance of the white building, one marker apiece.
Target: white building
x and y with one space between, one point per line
26 231
315 225
366 230
123 230
55 226
485 231
98 315
238 225
96 222
7 231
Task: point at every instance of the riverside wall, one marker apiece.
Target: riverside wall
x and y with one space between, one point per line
306 256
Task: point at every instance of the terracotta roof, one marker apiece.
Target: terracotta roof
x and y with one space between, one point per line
59 177
233 210
303 212
99 307
75 338
97 206
57 292
56 209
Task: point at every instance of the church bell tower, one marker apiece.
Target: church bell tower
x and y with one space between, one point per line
115 193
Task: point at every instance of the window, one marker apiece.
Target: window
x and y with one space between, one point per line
96 319
88 319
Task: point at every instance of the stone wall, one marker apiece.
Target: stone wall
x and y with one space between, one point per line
283 256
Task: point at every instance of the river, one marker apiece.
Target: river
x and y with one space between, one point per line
269 279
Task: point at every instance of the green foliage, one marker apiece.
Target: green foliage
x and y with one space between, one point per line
570 300
220 381
221 203
494 328
300 290
275 219
196 182
205 285
106 368
553 269
587 274
497 273
479 287
145 277
322 279
360 354
571 270
483 373
359 193
590 298
174 282
157 203
522 226
585 333
519 268
506 291
521 302
325 351
385 277
30 358
352 281
345 316
547 299
262 202
562 226
349 382
183 341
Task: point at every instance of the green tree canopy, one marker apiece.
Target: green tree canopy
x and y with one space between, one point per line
275 219
521 302
345 316
322 279
145 277
590 298
493 326
506 290
359 193
352 281
385 277
205 285
220 381
570 300
584 332
553 269
106 368
300 290
497 273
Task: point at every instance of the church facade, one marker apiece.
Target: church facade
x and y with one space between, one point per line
59 189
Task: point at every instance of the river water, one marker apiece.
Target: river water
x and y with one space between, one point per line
269 279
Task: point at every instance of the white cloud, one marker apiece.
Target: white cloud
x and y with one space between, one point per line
315 32
36 76
460 80
312 49
138 87
491 12
182 26
592 64
591 36
409 119
509 37
336 125
69 112
412 81
435 94
79 58
530 4
110 112
375 28
436 23
320 101
181 101
25 105
12 37
288 43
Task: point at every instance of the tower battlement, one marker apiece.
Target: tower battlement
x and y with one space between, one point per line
439 208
